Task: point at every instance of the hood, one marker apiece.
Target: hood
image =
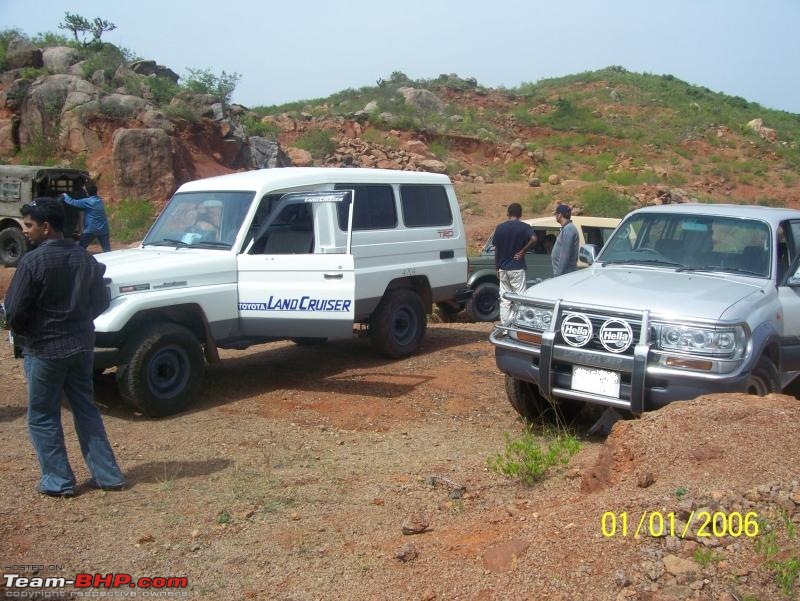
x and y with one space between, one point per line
664 292
165 267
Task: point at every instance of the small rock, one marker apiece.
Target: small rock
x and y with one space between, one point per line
195 547
145 538
428 596
554 179
645 479
621 578
415 524
377 501
534 182
195 533
406 553
503 556
294 516
677 565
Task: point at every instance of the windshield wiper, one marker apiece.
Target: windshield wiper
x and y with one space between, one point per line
643 262
166 241
724 270
214 243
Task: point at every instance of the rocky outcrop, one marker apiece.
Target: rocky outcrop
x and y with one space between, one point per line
142 160
45 100
266 154
148 68
422 100
767 133
21 53
58 59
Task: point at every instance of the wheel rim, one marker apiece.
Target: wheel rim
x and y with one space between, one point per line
168 371
404 325
487 304
12 249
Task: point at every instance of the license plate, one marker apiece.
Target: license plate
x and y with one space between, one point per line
597 381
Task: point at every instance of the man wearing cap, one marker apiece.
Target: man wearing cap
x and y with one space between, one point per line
512 239
565 251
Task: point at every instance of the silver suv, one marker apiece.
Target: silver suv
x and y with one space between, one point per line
683 300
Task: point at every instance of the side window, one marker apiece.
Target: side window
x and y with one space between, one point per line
425 206
264 207
292 232
374 207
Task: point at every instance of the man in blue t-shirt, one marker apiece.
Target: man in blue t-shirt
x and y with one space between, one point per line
95 222
512 239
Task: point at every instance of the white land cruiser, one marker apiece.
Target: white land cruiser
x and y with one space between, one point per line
683 300
299 253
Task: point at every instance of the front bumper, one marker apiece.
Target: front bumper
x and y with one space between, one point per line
642 386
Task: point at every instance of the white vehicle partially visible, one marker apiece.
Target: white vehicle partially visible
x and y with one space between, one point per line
299 253
683 300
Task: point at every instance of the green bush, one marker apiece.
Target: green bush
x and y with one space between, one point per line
539 202
253 126
515 171
107 59
163 89
599 201
319 142
526 459
129 219
203 81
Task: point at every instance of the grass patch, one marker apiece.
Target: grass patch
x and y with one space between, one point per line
319 142
528 459
539 202
706 557
129 219
515 171
599 201
378 136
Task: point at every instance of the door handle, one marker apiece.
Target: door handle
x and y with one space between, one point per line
334 276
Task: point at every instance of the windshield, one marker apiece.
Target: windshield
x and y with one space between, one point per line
201 219
692 242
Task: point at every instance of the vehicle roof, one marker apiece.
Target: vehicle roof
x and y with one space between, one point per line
577 220
288 177
32 170
770 214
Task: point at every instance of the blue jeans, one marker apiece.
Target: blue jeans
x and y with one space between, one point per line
103 239
47 378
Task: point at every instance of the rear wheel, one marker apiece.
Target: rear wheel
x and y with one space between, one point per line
485 302
398 324
12 246
162 370
763 379
530 404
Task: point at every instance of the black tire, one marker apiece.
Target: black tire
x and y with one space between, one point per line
398 324
12 246
485 302
307 341
162 370
764 379
529 403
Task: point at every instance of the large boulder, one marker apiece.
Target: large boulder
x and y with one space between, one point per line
149 68
142 161
22 53
6 137
45 100
122 106
299 157
266 153
59 59
422 100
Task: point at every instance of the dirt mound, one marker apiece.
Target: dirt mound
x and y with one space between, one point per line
713 442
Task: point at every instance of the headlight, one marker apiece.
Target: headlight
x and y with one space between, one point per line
715 342
534 318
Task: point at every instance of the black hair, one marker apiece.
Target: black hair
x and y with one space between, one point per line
515 210
91 189
46 209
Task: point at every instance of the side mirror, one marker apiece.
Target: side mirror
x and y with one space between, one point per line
588 253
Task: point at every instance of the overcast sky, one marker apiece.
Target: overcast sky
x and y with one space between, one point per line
302 49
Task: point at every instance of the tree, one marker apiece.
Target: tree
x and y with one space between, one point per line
81 26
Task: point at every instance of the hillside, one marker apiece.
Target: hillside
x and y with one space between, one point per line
606 140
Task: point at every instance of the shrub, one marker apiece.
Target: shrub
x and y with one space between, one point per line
603 202
526 459
203 81
253 126
515 171
319 142
129 219
162 88
107 59
539 202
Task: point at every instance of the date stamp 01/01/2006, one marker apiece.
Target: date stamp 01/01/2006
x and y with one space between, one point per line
699 524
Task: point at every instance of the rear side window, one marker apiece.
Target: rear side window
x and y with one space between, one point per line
374 208
425 206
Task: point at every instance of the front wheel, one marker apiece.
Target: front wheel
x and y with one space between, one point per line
12 246
398 324
484 305
530 404
764 379
162 370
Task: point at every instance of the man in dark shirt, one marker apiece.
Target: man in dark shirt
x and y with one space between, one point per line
512 239
52 301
